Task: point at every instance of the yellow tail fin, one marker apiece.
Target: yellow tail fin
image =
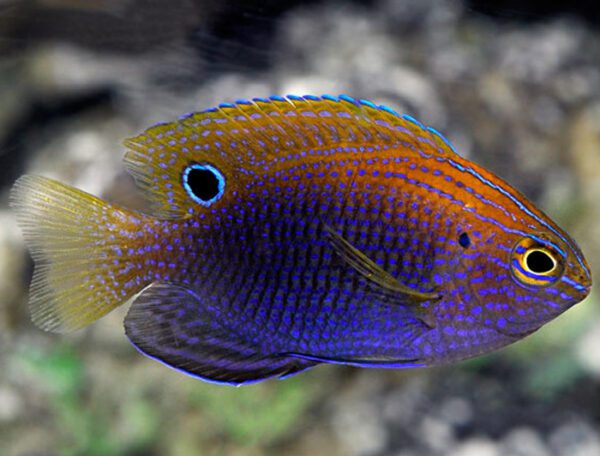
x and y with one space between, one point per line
80 246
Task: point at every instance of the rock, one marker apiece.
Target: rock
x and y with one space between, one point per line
11 405
435 434
536 54
457 411
524 441
476 446
576 438
360 429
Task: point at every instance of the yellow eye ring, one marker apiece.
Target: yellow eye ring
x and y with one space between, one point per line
535 262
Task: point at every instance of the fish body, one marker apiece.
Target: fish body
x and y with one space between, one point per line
288 232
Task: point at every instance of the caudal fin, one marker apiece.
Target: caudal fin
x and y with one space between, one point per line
79 244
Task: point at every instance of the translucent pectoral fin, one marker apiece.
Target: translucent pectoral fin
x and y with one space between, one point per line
172 325
394 290
370 270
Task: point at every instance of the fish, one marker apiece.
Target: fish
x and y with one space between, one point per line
287 232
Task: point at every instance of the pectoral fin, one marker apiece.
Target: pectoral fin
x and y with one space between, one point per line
384 280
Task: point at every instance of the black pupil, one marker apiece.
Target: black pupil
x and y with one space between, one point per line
203 183
539 262
464 240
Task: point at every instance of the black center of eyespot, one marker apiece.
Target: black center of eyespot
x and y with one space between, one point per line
464 240
203 183
539 262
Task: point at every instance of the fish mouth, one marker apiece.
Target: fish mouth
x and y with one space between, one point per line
588 286
584 279
581 285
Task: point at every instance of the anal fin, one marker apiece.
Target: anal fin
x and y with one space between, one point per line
170 324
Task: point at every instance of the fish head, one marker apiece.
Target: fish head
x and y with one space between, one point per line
513 280
548 275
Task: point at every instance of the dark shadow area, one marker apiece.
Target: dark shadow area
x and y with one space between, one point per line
43 114
536 10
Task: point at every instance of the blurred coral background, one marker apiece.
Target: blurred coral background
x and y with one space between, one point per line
514 85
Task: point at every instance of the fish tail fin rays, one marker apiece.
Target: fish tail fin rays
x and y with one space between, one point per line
77 242
170 324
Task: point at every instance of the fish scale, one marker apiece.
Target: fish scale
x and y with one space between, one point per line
291 231
268 304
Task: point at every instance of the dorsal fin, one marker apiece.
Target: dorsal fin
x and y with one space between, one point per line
255 137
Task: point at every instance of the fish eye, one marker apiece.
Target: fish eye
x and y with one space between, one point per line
539 261
536 262
204 183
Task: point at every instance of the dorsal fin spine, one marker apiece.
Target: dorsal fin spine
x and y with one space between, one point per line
413 120
388 110
443 138
273 100
367 103
349 99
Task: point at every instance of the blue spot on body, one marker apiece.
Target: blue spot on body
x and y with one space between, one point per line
204 183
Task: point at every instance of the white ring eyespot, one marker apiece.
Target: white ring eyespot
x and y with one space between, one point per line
535 262
204 183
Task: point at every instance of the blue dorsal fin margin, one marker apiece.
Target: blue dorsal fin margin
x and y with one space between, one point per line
367 103
185 116
413 120
160 124
349 99
442 137
311 98
389 110
328 97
